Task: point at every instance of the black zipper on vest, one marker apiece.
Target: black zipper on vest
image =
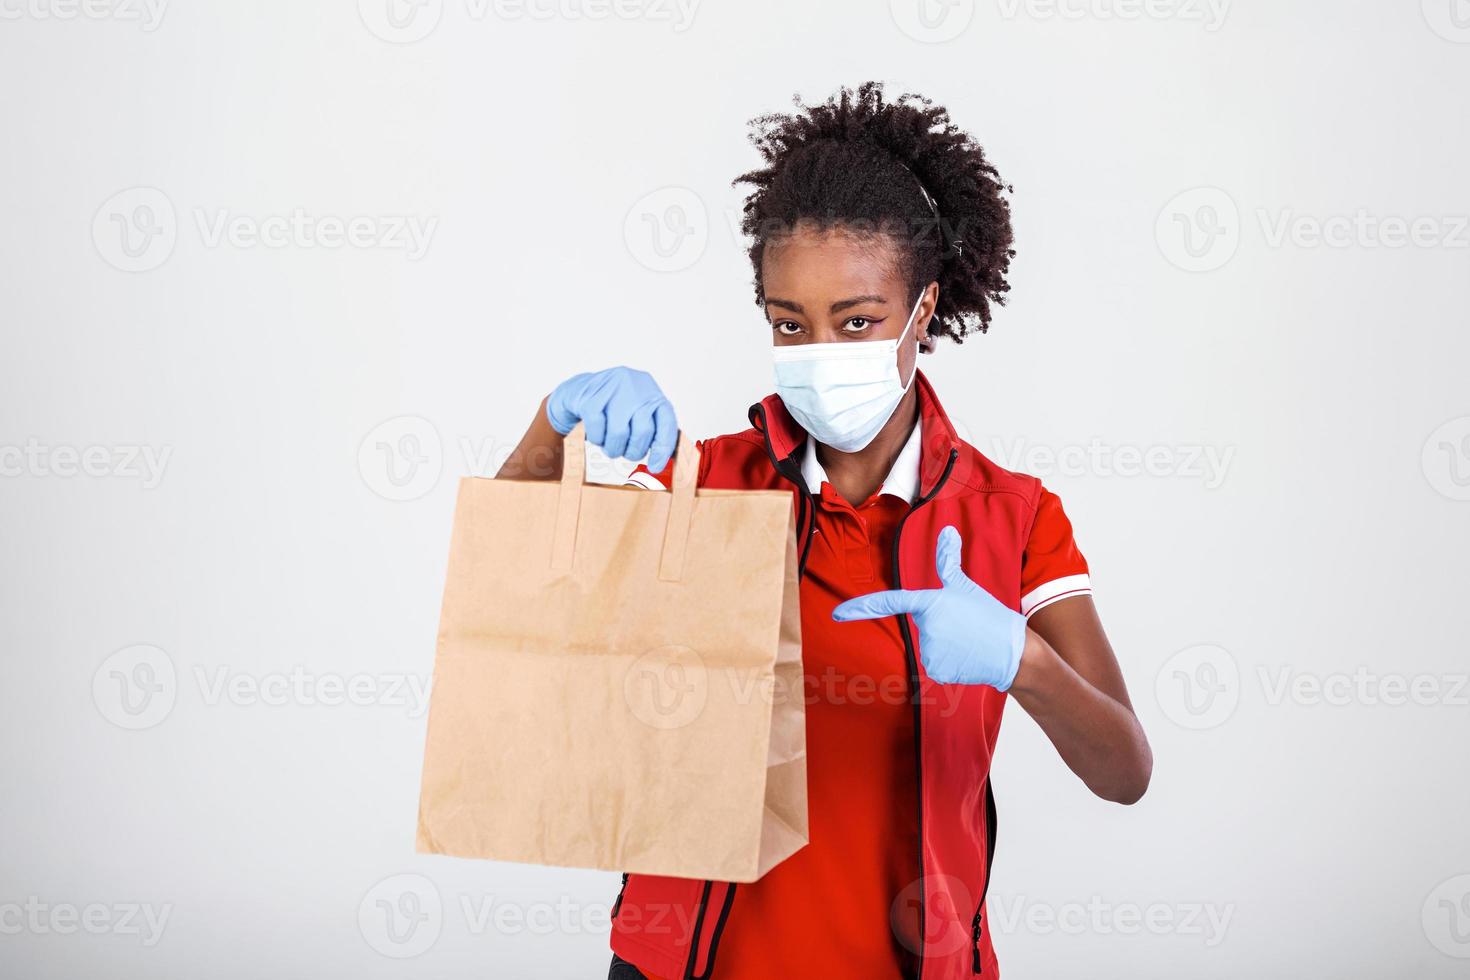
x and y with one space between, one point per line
714 940
992 824
911 660
807 506
694 934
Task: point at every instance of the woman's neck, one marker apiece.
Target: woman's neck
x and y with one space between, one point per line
857 476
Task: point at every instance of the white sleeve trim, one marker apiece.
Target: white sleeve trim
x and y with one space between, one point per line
1058 588
640 478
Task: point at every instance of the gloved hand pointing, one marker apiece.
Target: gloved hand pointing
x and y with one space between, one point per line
624 411
966 636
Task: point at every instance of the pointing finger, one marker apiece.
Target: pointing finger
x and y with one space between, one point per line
876 605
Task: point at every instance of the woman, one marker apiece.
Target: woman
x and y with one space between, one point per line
934 583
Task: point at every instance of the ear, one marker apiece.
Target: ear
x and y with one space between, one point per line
926 346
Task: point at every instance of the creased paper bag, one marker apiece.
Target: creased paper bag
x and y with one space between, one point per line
618 678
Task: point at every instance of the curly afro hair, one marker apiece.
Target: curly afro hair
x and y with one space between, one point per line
862 164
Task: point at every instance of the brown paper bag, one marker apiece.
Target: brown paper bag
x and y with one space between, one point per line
618 678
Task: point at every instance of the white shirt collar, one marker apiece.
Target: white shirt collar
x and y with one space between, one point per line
902 480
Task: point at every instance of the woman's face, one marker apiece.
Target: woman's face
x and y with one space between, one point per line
825 287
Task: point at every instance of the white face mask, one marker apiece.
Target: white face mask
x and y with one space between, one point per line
843 393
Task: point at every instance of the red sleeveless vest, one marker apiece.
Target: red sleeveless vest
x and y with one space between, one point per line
671 926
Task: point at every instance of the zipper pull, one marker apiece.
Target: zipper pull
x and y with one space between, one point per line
618 902
975 942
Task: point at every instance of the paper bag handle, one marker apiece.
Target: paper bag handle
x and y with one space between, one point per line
569 503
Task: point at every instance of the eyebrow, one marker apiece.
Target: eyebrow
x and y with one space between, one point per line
836 307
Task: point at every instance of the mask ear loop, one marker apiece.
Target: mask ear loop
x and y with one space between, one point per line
913 315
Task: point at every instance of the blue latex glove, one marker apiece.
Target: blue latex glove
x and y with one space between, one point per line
966 635
624 412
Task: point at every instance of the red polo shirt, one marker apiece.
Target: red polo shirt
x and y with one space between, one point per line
844 905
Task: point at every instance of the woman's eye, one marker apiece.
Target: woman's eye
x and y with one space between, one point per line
787 329
857 324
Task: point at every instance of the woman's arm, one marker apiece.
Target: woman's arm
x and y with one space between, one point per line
624 412
1070 682
538 455
1059 666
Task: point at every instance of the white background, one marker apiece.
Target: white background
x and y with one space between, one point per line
1326 832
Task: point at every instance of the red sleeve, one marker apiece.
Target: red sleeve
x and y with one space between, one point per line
641 477
1052 567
